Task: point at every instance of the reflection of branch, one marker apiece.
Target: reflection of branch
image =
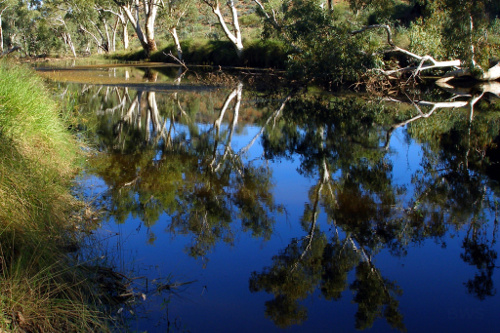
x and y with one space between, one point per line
274 116
121 105
325 177
434 106
235 93
310 236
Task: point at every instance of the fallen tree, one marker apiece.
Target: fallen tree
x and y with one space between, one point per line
427 62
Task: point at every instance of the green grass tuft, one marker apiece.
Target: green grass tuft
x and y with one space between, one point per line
42 290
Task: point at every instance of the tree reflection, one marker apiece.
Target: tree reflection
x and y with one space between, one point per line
161 161
334 140
344 144
175 154
453 189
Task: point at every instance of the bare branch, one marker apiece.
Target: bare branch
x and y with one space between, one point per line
180 62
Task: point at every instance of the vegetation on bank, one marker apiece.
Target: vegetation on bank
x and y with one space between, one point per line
330 43
42 290
258 54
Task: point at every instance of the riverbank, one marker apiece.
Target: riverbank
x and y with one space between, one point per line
257 54
43 290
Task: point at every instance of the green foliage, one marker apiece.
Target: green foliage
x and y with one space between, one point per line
322 50
265 54
258 53
426 36
464 29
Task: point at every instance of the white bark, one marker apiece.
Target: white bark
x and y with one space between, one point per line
235 37
269 18
173 32
134 20
98 42
67 40
108 38
125 35
150 10
120 19
1 30
493 73
65 35
113 38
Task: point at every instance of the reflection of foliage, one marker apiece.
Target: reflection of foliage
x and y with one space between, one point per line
162 162
290 280
190 172
374 294
294 276
359 201
453 187
479 253
342 143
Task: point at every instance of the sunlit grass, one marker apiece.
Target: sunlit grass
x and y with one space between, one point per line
41 290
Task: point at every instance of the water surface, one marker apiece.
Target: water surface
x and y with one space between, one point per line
255 211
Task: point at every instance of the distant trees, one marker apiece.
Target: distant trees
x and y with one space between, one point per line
328 42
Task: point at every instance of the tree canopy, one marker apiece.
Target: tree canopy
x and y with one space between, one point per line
329 44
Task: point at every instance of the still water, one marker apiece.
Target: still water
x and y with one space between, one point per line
234 208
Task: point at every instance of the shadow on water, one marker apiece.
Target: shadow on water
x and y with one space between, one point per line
378 182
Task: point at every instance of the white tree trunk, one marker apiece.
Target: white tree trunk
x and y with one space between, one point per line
152 6
1 34
69 42
134 20
235 37
146 37
108 37
173 32
491 74
1 30
125 35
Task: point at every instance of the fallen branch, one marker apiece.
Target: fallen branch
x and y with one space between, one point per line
180 62
492 74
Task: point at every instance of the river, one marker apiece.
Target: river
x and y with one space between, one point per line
232 207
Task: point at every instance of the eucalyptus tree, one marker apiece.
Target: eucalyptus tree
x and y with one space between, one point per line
4 5
234 34
145 11
174 12
111 7
59 13
29 27
85 16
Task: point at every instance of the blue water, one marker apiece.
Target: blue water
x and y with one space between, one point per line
211 292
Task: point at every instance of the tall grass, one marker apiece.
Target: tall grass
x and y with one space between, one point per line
41 290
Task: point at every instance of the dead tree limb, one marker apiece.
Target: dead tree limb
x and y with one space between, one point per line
179 61
427 62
